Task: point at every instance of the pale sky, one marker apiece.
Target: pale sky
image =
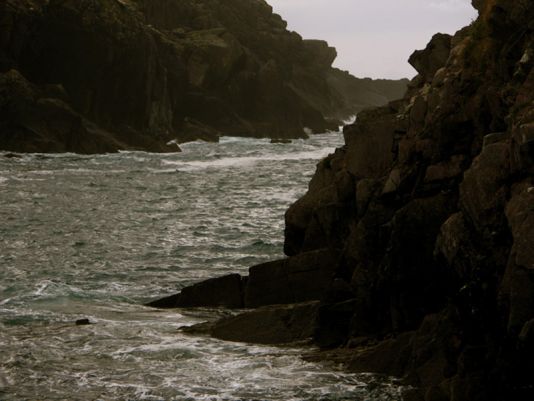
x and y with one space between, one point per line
374 38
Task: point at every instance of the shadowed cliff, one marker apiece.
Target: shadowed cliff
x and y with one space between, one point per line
101 75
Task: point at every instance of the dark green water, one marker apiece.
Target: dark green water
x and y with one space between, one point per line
96 236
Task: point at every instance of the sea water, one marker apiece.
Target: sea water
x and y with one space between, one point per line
95 237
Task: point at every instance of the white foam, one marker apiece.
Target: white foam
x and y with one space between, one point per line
245 161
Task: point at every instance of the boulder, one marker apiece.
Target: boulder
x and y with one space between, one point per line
225 291
428 61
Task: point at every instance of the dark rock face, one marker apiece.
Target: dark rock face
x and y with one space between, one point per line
280 324
430 203
429 210
101 75
298 279
226 291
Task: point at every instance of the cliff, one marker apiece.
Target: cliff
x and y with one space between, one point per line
415 240
101 75
430 207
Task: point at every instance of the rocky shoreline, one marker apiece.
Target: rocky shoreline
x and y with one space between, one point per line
96 76
412 253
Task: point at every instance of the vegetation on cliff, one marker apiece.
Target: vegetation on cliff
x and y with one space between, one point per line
101 75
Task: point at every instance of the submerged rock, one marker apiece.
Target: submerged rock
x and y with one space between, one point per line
280 140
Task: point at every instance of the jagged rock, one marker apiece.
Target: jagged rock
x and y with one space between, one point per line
334 323
281 324
518 285
495 138
226 291
454 243
483 191
428 61
370 143
414 282
521 220
34 123
452 168
138 69
315 221
388 357
429 219
279 140
296 279
439 228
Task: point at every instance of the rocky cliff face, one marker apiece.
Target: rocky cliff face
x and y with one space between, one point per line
430 206
417 236
101 75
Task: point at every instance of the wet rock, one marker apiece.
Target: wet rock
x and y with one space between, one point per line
300 278
83 322
226 291
280 324
32 123
280 140
12 156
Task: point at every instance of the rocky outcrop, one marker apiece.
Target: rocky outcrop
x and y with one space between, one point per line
429 211
279 324
226 291
95 76
434 197
297 279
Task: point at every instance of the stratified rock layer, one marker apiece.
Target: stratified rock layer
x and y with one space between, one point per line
100 75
